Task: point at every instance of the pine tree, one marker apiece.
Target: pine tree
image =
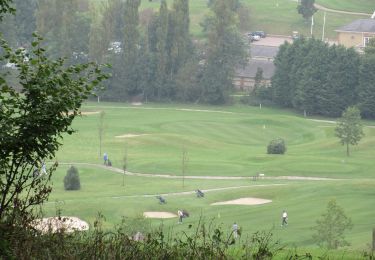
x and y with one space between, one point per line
130 73
306 8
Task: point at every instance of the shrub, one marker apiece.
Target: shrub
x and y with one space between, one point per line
276 146
71 180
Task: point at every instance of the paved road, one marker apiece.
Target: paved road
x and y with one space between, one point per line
272 40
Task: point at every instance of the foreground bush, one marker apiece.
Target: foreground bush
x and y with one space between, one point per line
71 180
199 242
276 146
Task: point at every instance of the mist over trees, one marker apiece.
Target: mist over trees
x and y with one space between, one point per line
155 59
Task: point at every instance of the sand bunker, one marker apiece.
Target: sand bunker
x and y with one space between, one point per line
129 135
243 201
159 214
54 224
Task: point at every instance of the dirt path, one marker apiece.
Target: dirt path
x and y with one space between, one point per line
120 171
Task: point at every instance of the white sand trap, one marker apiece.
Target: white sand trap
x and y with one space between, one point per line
53 224
137 103
159 214
243 201
129 135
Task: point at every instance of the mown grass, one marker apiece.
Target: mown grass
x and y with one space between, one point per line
364 6
283 13
229 142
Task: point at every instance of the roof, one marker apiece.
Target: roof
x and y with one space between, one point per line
250 69
360 25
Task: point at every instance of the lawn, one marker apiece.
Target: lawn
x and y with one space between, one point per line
266 14
219 141
363 6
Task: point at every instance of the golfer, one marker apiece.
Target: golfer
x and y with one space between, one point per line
180 216
235 230
284 219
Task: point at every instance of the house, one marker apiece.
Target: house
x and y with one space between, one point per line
245 76
261 57
356 34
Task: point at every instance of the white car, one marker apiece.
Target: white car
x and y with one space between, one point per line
253 37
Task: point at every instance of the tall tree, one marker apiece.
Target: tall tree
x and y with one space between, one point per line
101 32
225 52
131 74
349 128
181 42
25 20
306 8
161 51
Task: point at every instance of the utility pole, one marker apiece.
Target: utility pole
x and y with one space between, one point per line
324 25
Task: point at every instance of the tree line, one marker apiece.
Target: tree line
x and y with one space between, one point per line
316 78
152 53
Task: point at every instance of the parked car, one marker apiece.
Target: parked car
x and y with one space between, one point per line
295 35
253 37
262 34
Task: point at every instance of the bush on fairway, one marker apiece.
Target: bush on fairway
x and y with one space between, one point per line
71 180
276 146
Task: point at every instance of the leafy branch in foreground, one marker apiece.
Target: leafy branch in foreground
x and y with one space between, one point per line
33 121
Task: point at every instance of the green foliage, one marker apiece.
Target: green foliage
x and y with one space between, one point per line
306 8
331 227
315 77
50 98
225 50
6 7
71 179
276 146
366 87
349 128
203 241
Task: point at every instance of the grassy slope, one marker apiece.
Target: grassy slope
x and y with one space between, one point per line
219 144
265 14
364 6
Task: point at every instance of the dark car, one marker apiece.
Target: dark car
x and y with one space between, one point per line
260 33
